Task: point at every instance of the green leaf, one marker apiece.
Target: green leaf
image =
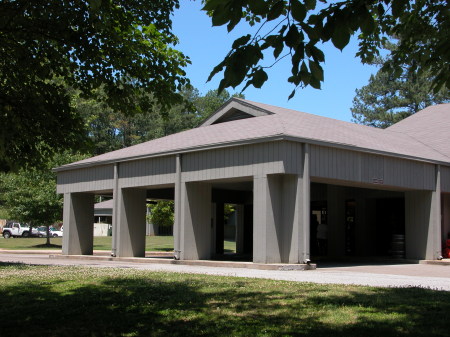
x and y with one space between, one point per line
298 10
316 70
368 25
241 41
258 7
398 7
269 41
297 57
317 54
217 69
259 77
95 4
276 10
278 47
212 5
292 94
221 17
341 35
293 37
310 4
294 79
328 30
315 83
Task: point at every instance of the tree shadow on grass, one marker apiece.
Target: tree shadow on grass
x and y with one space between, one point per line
50 245
153 304
160 249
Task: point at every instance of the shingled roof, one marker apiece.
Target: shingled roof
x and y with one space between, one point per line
429 126
241 121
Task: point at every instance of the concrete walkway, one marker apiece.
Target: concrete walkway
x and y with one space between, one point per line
378 275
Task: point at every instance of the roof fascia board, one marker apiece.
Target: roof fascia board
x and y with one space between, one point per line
249 142
235 103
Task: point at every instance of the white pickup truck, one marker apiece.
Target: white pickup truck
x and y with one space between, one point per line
15 229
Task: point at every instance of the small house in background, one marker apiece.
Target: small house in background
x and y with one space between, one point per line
369 192
103 218
103 221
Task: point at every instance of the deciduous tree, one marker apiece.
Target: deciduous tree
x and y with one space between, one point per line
296 29
29 195
123 46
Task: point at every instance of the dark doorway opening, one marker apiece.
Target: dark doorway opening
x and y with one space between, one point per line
233 220
390 227
319 228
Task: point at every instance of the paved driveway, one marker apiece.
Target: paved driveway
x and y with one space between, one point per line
378 275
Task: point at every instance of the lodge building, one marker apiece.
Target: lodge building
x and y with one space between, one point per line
286 172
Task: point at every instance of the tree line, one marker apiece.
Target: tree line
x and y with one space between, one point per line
28 194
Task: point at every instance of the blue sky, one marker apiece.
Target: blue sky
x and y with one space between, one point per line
207 46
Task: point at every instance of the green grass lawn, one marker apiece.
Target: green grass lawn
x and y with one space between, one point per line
152 243
83 301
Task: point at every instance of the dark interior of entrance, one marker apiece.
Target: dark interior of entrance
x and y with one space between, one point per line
356 222
236 226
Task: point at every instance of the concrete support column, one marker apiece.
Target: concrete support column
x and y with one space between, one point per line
282 216
177 209
239 209
195 221
267 219
131 223
213 228
423 223
78 220
303 210
115 211
281 219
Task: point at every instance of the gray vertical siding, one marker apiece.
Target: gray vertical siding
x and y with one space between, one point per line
277 157
147 172
365 168
98 178
445 179
334 163
409 174
241 161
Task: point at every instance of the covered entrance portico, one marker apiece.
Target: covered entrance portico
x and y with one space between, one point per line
251 156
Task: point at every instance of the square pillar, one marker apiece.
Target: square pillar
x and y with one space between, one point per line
297 207
281 210
281 219
239 209
177 210
131 223
78 218
195 220
422 226
213 228
267 219
423 223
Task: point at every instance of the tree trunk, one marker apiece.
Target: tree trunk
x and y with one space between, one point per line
48 236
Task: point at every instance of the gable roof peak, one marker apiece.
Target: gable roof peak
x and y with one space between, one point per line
234 109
